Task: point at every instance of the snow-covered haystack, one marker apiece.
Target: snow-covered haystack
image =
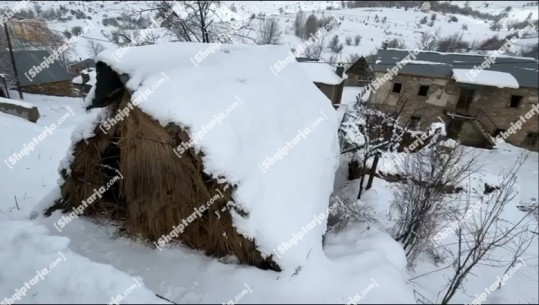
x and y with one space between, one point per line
202 130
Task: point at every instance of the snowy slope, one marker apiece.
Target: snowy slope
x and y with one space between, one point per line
28 247
391 22
429 279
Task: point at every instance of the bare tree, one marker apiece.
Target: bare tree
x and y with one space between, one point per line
419 204
134 31
428 40
357 39
334 44
299 24
311 26
367 131
488 231
54 42
93 48
315 50
269 32
198 22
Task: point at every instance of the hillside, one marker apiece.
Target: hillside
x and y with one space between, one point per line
373 24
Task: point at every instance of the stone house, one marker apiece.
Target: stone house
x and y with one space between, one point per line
39 78
359 73
327 79
475 106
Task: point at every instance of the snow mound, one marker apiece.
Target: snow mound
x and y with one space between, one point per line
275 137
39 268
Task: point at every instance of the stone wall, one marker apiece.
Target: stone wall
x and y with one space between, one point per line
30 114
63 88
495 102
441 96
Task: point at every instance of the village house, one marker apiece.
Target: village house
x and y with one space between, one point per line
77 68
51 80
359 73
476 106
326 78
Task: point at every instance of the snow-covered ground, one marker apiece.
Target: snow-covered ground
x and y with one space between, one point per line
35 266
91 255
91 263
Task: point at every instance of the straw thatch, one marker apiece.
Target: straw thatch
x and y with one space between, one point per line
158 189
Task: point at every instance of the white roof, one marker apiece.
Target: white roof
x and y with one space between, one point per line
91 72
421 62
322 73
192 84
485 78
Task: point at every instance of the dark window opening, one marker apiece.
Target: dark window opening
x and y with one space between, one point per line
423 90
414 121
397 87
515 101
531 138
498 131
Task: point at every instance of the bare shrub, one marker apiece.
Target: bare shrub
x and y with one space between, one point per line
334 44
452 43
357 40
477 239
396 43
418 204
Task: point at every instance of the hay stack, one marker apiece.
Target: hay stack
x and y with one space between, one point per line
158 189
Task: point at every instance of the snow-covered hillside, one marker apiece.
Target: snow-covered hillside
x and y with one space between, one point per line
373 24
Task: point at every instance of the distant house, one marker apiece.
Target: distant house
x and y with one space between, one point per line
305 59
85 80
77 68
326 78
476 106
36 77
359 74
28 32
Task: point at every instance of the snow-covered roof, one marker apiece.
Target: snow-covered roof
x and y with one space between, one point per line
440 65
420 62
322 73
190 86
485 78
91 77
